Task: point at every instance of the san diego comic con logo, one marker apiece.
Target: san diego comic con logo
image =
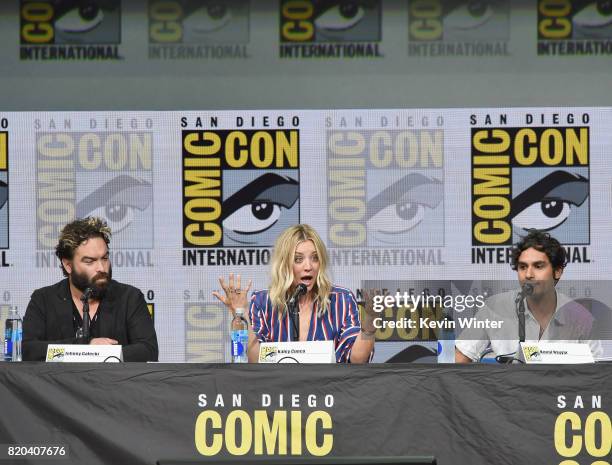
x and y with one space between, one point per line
385 194
70 29
574 27
56 354
458 28
532 353
96 173
330 29
194 29
582 428
529 177
240 190
269 353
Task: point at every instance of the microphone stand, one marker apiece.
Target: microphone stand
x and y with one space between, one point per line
293 306
520 302
86 318
294 313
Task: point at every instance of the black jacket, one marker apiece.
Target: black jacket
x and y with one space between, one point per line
123 316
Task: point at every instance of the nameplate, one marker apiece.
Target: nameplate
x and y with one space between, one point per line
84 353
555 352
297 352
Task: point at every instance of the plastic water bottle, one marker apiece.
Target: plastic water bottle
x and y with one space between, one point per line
17 336
7 352
240 336
13 335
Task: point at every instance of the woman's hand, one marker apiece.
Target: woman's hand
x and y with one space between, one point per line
369 314
235 296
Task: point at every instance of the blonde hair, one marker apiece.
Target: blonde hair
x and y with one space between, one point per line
282 267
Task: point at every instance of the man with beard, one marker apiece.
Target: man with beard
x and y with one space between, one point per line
118 311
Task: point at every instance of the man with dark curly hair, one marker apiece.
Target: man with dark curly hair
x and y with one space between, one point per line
118 312
539 260
541 242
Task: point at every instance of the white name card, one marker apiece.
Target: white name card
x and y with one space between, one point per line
556 352
84 353
297 352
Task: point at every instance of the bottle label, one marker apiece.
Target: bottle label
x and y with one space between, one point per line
8 339
8 348
239 342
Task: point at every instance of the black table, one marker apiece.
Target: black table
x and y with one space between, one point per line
144 413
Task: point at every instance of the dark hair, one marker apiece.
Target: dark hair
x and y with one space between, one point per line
77 232
543 242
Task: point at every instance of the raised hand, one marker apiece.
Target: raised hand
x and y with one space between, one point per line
235 296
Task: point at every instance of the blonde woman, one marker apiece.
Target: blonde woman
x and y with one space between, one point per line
326 312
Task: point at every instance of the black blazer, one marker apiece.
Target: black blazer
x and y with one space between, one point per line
123 316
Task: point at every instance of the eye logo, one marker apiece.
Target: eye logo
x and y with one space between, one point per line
339 17
117 201
594 17
56 355
268 354
330 21
402 206
80 19
469 16
257 208
486 20
198 22
548 203
208 18
532 353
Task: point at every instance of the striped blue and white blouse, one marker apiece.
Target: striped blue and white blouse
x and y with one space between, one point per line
340 323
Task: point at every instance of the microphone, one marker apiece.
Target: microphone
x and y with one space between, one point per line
87 294
299 291
527 289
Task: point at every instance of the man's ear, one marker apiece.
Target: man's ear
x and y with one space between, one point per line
67 265
557 273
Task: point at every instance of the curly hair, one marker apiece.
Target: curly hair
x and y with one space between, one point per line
542 242
77 232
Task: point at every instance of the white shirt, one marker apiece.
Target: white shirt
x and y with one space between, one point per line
571 322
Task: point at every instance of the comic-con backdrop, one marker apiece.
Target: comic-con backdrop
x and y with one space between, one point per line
398 196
